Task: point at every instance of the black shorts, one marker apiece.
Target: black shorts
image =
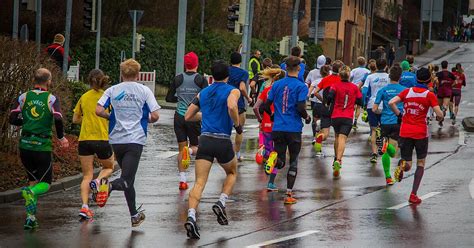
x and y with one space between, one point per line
391 131
342 125
407 145
211 147
242 110
38 165
185 130
317 109
101 148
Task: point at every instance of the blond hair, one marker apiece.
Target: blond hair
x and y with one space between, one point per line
345 73
130 69
273 73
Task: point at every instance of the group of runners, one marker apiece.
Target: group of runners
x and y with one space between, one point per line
397 102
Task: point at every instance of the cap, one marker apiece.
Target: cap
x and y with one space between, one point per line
59 39
191 60
321 61
423 75
405 65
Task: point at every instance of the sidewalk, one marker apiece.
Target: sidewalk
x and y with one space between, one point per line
439 49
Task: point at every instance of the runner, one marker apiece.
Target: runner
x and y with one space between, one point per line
413 130
411 62
183 89
325 85
219 106
266 124
357 75
408 78
456 94
374 83
389 121
312 80
133 106
288 97
343 96
93 140
372 66
35 111
296 52
238 78
445 87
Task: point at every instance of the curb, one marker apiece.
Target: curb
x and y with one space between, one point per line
59 185
444 54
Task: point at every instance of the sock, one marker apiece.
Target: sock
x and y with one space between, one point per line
223 198
386 164
418 175
85 206
182 176
192 213
190 151
40 188
135 215
273 175
237 154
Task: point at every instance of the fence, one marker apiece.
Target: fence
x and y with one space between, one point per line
148 79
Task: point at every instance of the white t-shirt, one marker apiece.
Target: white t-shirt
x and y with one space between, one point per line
374 83
313 79
131 105
357 74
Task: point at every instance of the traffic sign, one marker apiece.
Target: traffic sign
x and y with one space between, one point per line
139 14
438 6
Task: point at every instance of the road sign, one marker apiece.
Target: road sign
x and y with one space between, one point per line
438 6
139 14
330 10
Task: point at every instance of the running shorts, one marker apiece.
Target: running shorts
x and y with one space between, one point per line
317 109
408 144
444 92
242 110
38 165
391 131
185 130
213 147
101 148
342 125
456 97
374 119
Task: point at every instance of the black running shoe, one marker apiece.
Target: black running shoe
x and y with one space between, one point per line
192 230
219 210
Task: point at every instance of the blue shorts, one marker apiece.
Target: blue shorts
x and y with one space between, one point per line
374 119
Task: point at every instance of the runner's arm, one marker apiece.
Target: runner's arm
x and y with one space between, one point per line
58 119
257 109
378 101
243 91
100 111
15 112
317 95
393 105
77 116
193 114
233 107
171 95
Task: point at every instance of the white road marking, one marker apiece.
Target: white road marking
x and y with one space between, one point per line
251 126
274 241
166 154
424 197
471 188
462 138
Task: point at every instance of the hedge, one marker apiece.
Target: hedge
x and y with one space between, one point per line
160 51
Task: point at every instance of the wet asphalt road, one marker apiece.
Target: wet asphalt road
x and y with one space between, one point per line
351 212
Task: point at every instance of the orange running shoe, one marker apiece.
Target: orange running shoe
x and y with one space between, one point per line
86 213
183 186
185 157
289 199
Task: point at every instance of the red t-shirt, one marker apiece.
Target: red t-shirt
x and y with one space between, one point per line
266 125
345 97
416 103
327 82
460 80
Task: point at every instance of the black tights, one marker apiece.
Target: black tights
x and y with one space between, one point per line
292 141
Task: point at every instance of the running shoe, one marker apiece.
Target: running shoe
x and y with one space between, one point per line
271 162
379 140
454 120
183 185
138 219
30 200
389 181
319 143
373 158
103 193
365 116
398 173
336 169
440 123
31 223
319 154
86 213
289 199
240 158
192 230
271 187
259 155
94 185
219 210
414 199
185 157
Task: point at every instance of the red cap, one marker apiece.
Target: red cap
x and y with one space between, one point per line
191 61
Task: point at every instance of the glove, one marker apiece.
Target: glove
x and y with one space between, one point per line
307 120
399 118
312 95
238 129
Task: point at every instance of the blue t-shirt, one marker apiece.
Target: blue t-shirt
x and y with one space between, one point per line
285 95
236 76
300 74
408 79
385 95
215 114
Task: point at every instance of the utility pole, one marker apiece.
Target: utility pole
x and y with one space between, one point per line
431 20
294 26
420 44
249 37
203 8
134 32
16 7
245 35
372 13
316 22
38 26
366 33
337 41
67 36
183 5
97 37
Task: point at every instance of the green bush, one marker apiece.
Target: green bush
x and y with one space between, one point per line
160 51
78 89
